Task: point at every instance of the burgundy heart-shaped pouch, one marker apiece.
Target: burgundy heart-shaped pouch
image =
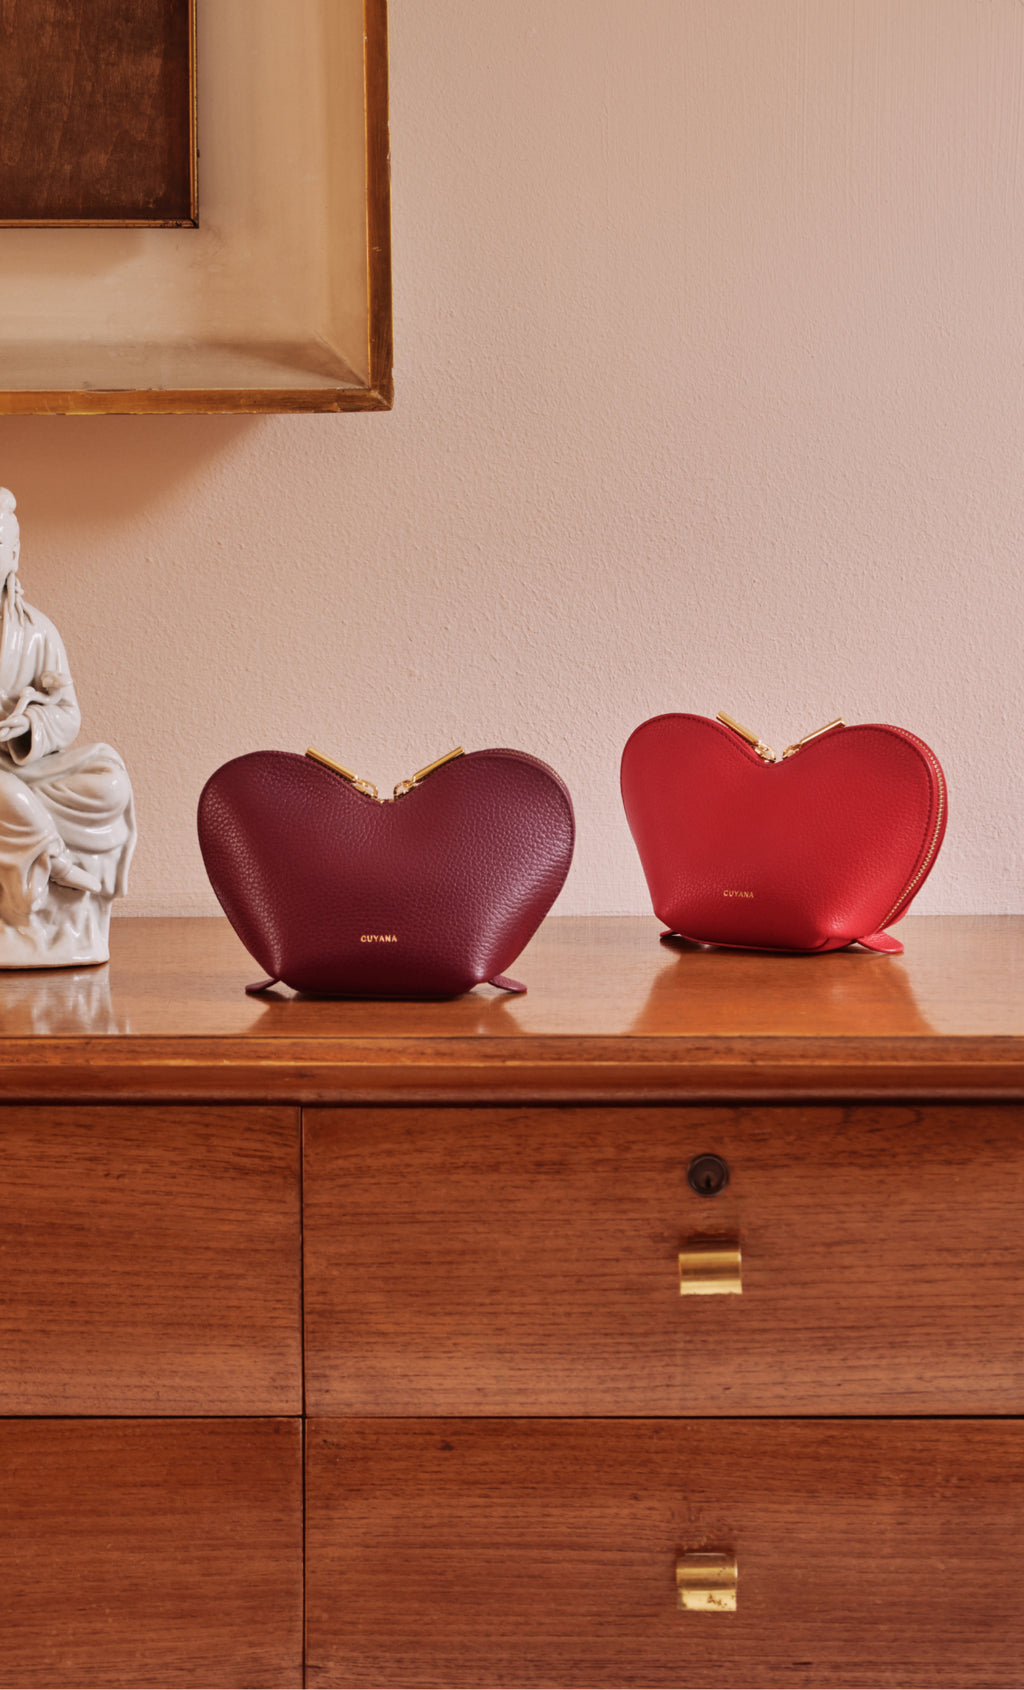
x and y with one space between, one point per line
424 896
825 846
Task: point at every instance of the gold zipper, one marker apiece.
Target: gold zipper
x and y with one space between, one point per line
929 856
367 787
791 750
765 752
405 786
353 779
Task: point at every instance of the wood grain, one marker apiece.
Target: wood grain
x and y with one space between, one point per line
378 204
151 1552
493 1223
149 1261
97 123
191 401
463 1552
609 1015
499 1261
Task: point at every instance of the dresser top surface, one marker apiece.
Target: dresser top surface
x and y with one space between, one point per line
609 1010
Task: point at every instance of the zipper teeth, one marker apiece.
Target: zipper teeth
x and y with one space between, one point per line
332 769
929 858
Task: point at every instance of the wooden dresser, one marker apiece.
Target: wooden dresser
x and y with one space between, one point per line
662 1327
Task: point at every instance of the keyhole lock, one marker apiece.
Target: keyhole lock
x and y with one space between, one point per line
707 1175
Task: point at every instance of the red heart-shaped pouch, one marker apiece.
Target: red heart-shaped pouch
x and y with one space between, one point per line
424 895
824 847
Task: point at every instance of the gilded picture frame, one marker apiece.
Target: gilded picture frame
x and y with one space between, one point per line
279 299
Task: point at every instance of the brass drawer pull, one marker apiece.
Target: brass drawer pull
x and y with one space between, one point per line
706 1582
710 1267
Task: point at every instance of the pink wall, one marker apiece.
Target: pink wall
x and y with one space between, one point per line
710 377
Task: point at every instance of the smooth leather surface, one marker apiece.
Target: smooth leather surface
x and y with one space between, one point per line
810 853
424 896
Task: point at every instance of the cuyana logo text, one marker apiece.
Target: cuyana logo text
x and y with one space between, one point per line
379 939
737 894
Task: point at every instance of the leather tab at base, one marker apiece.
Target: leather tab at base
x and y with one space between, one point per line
504 984
881 942
260 986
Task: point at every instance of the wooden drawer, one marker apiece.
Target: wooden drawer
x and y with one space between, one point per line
497 1261
158 1552
149 1260
526 1552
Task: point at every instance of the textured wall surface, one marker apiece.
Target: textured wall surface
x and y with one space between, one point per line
710 393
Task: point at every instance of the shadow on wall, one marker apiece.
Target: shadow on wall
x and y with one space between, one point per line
70 471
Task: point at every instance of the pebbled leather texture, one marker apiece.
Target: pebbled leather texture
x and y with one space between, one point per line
423 897
808 854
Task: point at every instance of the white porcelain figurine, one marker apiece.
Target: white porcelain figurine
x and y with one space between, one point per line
67 820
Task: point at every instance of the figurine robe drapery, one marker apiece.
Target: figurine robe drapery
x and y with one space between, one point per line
60 804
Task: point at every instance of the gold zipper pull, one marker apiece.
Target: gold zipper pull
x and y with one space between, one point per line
791 750
765 752
405 786
353 779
